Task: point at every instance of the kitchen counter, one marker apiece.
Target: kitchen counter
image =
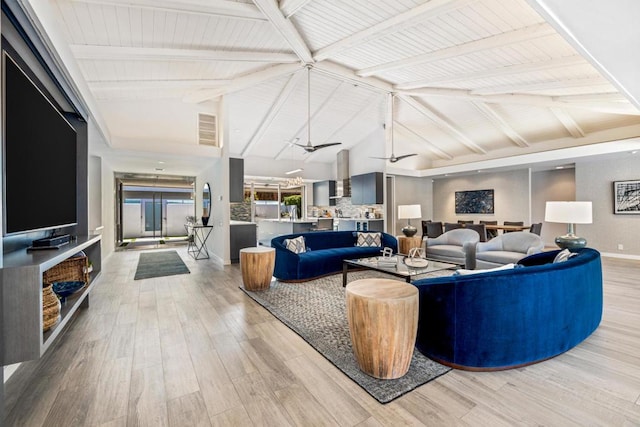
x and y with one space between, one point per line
233 222
360 224
270 228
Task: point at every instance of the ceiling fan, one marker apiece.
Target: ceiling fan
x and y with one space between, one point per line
309 147
393 157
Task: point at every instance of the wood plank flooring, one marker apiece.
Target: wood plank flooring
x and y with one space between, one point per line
193 350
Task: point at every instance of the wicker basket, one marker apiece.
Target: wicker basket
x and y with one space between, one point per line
50 308
69 270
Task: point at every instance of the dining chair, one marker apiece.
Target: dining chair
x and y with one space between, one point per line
536 228
490 233
462 221
424 226
448 226
434 229
480 228
520 223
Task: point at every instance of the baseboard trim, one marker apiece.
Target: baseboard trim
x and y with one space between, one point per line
622 256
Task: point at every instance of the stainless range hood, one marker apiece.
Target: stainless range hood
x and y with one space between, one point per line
343 183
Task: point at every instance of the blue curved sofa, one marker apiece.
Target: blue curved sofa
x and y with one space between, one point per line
328 249
510 318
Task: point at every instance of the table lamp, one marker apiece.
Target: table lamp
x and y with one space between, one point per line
407 212
569 213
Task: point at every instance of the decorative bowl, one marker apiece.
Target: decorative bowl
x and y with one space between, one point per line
64 289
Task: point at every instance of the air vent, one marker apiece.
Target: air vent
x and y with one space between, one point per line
207 129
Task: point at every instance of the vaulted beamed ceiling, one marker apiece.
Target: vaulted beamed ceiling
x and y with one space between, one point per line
473 79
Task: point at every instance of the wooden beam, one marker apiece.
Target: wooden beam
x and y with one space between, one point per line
542 101
495 118
113 85
243 82
593 97
425 11
492 42
122 53
364 108
568 122
286 29
531 67
542 86
314 118
442 123
430 146
343 73
291 7
273 112
221 8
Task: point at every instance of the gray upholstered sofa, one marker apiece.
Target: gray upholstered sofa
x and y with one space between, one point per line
504 249
451 246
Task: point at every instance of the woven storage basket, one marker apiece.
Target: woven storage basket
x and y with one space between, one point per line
69 270
50 308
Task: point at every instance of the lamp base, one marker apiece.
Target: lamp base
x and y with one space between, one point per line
571 241
409 230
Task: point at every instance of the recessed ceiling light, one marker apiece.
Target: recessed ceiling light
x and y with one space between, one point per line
634 152
161 162
293 171
559 167
159 169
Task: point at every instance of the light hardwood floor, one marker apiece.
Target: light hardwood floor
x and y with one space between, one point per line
193 350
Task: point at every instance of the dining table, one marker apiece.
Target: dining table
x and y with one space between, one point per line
507 227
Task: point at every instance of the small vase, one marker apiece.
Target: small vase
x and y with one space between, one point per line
205 220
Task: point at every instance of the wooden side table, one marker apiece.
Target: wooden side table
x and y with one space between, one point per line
383 322
407 243
257 265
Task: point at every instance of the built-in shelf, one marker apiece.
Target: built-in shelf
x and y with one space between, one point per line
22 297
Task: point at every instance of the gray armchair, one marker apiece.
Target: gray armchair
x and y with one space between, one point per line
452 247
504 249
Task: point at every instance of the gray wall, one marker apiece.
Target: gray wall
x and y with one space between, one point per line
511 196
412 191
594 181
551 185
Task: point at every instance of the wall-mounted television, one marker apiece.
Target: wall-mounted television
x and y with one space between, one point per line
39 157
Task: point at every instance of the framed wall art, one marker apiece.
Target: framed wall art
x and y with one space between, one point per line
474 202
626 197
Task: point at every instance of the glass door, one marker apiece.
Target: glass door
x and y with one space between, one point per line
152 216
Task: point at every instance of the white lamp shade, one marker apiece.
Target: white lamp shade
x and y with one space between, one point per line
568 212
409 211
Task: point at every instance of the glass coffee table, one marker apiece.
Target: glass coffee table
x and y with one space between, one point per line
397 267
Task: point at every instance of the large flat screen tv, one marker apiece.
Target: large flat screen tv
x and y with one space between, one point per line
39 157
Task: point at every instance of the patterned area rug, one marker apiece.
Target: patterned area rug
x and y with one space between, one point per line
316 311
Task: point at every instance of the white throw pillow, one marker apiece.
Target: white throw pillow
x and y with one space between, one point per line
369 239
463 272
564 255
295 245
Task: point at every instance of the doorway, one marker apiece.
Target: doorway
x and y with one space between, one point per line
152 210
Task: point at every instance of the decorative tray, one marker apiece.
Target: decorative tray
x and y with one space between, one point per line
416 262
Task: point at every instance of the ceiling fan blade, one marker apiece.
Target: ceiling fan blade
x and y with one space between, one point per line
293 141
306 147
380 158
395 159
331 144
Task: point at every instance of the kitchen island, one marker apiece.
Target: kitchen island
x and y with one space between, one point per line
242 235
270 228
360 224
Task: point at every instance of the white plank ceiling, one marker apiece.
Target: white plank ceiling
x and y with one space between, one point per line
473 79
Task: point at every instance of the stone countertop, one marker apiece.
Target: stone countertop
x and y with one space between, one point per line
232 222
287 220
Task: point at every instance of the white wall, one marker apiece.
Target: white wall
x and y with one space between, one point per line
217 175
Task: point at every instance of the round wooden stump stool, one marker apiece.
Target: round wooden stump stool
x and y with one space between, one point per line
383 322
257 267
405 244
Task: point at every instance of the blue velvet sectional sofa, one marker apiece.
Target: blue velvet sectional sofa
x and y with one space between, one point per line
509 318
328 249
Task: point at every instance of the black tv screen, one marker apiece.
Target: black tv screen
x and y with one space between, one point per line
39 157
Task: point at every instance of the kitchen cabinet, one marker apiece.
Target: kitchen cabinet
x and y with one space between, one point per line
236 180
322 193
367 189
242 235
